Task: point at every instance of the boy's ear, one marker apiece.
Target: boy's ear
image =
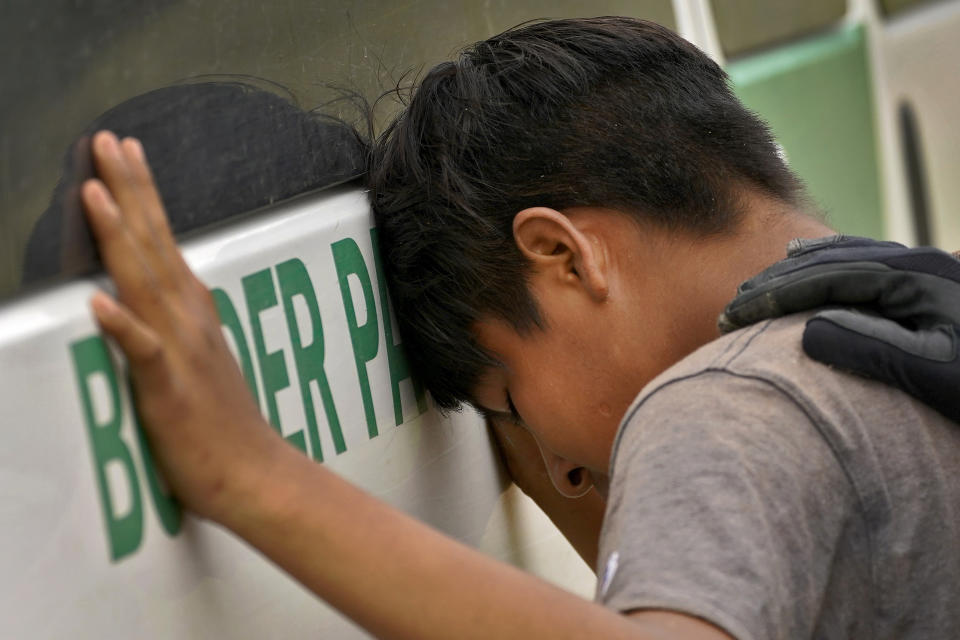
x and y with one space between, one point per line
554 245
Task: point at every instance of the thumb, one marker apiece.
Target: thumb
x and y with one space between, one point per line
924 362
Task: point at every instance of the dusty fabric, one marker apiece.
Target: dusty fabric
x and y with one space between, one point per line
779 498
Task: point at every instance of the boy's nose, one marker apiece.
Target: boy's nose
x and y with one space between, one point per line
570 479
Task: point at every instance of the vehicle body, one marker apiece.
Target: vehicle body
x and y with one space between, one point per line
94 546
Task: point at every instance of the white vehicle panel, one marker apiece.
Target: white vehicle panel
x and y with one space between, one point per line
92 547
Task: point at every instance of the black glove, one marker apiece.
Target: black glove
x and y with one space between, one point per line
904 330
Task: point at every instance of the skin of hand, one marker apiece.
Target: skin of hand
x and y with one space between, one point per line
382 568
204 427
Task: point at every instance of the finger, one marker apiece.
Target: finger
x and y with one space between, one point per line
151 200
872 332
171 260
814 286
135 198
141 346
848 271
923 363
805 253
113 169
122 258
900 294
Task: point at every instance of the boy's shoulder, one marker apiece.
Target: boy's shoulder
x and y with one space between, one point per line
749 473
762 372
769 355
770 349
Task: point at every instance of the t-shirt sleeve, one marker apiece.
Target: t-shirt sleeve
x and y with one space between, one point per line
726 504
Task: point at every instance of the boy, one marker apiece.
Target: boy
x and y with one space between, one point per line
564 212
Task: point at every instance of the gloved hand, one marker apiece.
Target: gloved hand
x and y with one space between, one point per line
904 328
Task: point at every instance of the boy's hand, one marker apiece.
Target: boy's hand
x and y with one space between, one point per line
910 335
204 427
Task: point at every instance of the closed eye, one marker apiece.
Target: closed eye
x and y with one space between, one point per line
513 410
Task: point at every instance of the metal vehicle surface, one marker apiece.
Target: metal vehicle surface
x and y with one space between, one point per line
860 94
94 546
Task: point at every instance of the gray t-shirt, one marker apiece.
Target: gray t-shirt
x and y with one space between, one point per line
779 498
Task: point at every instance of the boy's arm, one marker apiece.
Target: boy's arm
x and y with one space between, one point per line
390 573
399 578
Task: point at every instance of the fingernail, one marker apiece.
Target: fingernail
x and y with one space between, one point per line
136 149
96 195
103 304
107 142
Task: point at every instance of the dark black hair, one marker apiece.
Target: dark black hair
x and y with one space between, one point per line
217 149
611 112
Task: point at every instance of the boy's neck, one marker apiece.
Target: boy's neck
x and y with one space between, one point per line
700 275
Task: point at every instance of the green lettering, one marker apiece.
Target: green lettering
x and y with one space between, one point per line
295 281
124 532
261 295
365 338
167 507
396 358
230 320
